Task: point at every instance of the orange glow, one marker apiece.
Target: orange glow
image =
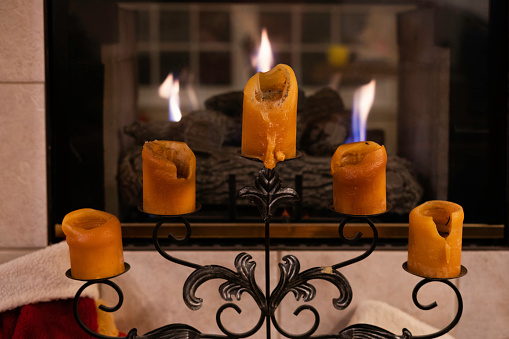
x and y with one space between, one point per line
264 60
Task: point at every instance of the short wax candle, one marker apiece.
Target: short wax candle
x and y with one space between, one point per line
358 175
434 239
269 122
169 178
95 244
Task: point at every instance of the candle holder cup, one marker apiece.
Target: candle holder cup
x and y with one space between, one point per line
68 274
298 154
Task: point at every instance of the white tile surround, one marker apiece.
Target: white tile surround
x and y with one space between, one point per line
485 288
23 214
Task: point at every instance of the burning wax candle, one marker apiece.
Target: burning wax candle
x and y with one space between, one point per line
95 244
169 178
434 239
358 174
269 123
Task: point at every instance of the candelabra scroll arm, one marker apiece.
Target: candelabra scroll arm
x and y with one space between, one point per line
236 283
365 331
459 312
292 280
175 331
353 240
297 312
132 333
230 334
155 240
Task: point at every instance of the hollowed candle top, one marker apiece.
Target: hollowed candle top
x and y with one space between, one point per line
359 183
269 124
169 178
435 239
95 244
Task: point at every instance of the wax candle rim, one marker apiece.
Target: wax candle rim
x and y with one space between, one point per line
183 158
454 210
82 217
165 190
357 149
370 158
344 148
441 205
264 80
104 233
261 77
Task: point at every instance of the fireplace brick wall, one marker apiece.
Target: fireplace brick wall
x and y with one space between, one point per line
23 211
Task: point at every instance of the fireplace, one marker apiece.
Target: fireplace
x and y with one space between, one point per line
439 77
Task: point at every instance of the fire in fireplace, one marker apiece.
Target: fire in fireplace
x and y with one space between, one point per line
432 77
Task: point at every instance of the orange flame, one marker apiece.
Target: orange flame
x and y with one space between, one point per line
264 60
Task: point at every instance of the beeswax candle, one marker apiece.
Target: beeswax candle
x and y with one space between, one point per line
358 175
269 122
435 238
169 178
95 244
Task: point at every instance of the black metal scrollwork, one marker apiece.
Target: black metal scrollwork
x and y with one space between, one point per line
456 319
359 331
366 331
173 331
131 334
163 253
267 193
292 280
236 284
356 238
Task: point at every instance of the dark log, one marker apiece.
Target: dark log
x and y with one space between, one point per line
215 135
213 171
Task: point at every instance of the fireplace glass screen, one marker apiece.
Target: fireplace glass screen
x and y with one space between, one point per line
427 79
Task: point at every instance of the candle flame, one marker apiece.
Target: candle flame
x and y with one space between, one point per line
362 102
264 60
170 89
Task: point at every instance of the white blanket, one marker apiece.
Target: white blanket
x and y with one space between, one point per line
390 318
38 277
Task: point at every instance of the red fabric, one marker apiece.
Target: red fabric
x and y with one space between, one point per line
48 320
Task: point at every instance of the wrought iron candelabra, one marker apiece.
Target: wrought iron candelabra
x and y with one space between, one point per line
267 195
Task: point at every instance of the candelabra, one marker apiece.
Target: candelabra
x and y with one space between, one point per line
267 195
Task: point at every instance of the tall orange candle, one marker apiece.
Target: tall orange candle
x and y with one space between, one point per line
269 122
169 178
95 244
434 239
358 175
